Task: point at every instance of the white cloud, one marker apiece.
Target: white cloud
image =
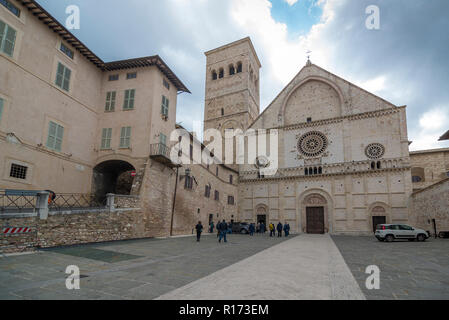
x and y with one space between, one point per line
291 2
432 125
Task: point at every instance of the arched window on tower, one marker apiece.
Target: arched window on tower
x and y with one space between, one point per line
239 67
214 75
221 73
231 70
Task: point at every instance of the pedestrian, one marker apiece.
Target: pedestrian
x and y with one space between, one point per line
211 227
263 228
279 230
272 231
258 228
223 229
199 230
251 229
287 229
230 228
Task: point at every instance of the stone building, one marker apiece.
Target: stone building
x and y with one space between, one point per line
429 167
344 163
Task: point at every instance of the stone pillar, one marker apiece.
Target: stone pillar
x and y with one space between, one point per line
42 205
110 202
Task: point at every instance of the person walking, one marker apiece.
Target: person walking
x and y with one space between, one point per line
280 227
287 229
258 228
199 230
211 227
223 229
230 228
251 229
272 231
263 228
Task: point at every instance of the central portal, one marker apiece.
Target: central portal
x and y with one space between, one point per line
315 220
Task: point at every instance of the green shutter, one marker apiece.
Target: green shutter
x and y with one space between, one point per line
2 32
163 139
110 101
1 108
59 137
67 75
164 107
63 75
55 136
106 138
125 137
10 40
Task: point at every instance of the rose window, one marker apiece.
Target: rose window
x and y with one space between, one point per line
312 144
375 151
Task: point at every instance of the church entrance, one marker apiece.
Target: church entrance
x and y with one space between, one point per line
378 220
262 218
315 220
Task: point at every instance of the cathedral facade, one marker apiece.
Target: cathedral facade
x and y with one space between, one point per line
343 153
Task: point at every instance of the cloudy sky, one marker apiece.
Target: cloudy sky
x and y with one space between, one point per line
405 61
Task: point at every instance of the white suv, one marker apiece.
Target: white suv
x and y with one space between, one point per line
391 232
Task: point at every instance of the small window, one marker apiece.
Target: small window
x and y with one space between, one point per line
222 112
231 70
416 179
231 200
113 77
221 74
8 5
239 67
2 102
217 195
7 39
166 84
231 179
132 75
125 137
309 120
55 136
207 191
216 173
165 106
63 75
18 171
129 99
69 53
214 75
188 184
110 101
106 138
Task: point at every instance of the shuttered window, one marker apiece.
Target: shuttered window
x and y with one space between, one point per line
7 39
106 138
165 106
110 101
8 5
2 102
129 99
63 75
55 136
125 137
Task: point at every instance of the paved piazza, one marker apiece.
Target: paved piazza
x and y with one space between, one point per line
259 267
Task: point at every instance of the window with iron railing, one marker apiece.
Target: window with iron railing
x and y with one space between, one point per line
18 171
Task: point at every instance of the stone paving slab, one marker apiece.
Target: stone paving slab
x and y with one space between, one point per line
308 267
157 266
409 270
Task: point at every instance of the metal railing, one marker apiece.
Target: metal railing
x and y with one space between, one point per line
74 201
17 201
160 149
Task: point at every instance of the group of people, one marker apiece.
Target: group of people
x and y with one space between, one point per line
279 228
224 228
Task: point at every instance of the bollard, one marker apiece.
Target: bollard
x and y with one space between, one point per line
110 202
42 204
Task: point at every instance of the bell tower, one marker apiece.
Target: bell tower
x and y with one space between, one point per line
232 86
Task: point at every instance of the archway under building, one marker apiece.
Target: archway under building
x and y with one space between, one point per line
113 176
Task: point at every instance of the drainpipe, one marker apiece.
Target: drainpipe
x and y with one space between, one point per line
174 202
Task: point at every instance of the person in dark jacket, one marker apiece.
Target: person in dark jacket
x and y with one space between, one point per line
279 228
252 228
287 229
223 229
211 227
199 230
263 228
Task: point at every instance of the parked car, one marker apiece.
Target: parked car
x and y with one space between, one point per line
391 232
240 228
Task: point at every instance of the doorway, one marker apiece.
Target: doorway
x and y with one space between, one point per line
262 218
378 220
315 220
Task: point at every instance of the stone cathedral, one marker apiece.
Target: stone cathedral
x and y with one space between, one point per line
344 163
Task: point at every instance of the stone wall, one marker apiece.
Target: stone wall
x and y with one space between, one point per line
431 203
431 166
74 229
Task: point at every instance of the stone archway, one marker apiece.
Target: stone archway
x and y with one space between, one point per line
312 203
113 176
261 214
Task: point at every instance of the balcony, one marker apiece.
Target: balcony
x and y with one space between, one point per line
161 153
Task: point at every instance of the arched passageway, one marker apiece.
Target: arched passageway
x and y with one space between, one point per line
113 176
